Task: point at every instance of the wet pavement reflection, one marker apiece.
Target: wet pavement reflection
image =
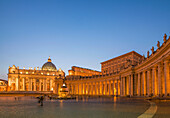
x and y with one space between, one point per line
85 107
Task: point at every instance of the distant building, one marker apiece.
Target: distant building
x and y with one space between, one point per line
3 85
79 71
121 62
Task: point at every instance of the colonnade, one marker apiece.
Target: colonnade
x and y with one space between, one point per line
148 79
127 85
151 81
154 81
32 84
102 87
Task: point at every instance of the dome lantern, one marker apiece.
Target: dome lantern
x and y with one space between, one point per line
49 59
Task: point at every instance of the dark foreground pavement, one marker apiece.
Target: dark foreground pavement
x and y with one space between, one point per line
28 107
163 109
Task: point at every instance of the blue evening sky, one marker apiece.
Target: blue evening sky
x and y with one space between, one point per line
78 32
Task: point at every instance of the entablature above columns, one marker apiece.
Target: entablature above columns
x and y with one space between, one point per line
159 56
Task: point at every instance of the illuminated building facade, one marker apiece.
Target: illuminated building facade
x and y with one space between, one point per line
3 85
79 71
37 79
122 62
128 75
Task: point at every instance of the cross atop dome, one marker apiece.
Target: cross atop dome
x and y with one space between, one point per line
49 59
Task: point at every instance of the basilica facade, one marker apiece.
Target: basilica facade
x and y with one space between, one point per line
34 79
130 74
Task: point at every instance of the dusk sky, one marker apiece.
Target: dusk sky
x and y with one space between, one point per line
78 32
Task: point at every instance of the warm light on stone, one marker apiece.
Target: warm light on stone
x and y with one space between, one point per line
130 74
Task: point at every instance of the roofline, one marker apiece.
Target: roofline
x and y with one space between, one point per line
121 56
85 68
3 80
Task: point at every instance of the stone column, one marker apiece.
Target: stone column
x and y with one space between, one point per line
39 84
113 90
16 84
85 88
74 88
135 84
23 83
19 83
148 78
117 88
98 88
29 86
51 84
143 83
120 86
102 88
159 79
123 86
34 84
91 88
109 87
138 84
129 84
68 86
43 84
106 87
88 89
9 82
166 76
153 80
81 88
57 86
78 88
95 88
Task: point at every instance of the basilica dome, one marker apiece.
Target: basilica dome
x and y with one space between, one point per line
49 65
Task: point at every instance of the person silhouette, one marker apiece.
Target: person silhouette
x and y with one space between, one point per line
41 100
